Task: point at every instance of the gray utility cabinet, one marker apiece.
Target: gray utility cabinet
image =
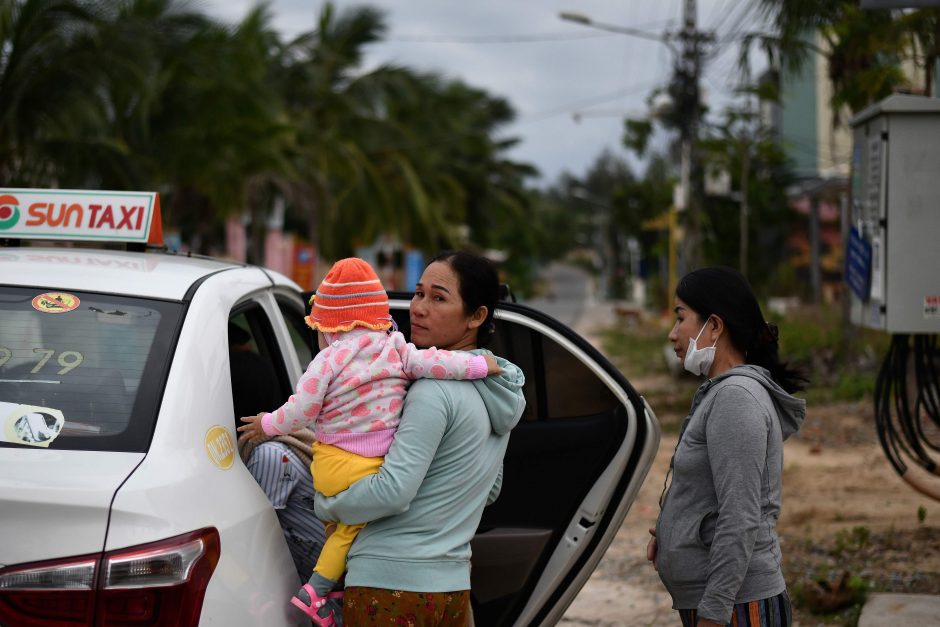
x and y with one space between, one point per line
893 248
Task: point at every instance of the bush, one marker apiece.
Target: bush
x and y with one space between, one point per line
840 361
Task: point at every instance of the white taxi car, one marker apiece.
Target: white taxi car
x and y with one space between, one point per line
122 497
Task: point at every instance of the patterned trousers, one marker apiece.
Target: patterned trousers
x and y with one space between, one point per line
375 606
772 612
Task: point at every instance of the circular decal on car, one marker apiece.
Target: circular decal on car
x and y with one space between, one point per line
9 211
220 447
56 302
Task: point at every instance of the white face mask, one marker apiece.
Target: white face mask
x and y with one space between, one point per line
698 361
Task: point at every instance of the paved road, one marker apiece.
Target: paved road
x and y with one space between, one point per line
568 291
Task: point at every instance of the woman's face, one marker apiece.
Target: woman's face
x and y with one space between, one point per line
688 325
437 311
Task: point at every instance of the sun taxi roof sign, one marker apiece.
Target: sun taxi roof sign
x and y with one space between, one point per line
80 215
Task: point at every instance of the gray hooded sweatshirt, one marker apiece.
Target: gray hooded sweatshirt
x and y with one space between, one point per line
716 534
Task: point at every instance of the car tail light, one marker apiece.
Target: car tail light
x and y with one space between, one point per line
161 583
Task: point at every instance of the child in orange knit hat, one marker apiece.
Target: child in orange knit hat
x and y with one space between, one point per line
353 392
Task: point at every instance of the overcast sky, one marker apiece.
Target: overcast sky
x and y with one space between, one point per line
570 85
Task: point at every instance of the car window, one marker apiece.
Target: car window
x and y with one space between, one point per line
558 386
260 381
81 370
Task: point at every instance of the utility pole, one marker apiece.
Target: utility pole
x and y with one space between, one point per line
745 169
688 71
685 93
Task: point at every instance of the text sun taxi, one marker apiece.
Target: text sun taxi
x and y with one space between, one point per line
124 496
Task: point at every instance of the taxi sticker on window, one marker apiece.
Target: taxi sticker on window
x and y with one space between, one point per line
220 447
56 302
29 424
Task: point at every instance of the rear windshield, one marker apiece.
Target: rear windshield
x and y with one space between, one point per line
82 371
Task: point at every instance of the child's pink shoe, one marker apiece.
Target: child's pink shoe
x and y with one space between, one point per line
316 603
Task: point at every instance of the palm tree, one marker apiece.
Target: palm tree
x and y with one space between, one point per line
862 47
195 109
50 111
337 186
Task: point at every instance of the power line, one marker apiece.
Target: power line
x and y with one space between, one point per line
494 39
517 37
576 106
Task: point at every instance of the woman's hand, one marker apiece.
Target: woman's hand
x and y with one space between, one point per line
651 549
251 430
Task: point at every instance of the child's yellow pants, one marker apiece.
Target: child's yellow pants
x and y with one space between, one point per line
334 470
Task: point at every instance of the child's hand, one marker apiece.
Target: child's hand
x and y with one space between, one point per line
491 366
252 431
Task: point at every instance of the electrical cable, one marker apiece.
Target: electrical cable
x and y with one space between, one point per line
899 422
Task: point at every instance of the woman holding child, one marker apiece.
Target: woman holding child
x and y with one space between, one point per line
413 559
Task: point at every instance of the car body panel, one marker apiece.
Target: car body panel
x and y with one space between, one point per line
110 271
42 489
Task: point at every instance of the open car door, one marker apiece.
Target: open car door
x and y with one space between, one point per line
573 467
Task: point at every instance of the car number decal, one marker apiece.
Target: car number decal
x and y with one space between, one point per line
56 302
29 424
220 447
68 360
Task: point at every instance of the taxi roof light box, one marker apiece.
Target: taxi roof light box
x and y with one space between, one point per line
893 250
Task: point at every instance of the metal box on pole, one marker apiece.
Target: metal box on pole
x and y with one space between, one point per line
893 248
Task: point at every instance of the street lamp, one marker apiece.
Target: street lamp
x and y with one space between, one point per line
584 20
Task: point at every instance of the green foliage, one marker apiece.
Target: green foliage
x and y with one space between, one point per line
921 514
841 360
856 539
864 48
637 134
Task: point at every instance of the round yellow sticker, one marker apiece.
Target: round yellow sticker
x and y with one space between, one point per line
56 302
220 447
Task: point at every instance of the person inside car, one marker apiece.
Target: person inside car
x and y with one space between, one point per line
281 466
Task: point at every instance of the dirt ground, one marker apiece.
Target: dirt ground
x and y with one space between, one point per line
844 511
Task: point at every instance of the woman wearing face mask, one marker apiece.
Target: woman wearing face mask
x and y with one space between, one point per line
715 544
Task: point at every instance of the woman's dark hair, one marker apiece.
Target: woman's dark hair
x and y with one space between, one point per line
724 292
479 285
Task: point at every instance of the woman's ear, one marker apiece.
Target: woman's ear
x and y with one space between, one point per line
478 316
717 325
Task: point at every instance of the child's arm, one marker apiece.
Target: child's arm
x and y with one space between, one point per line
304 405
433 363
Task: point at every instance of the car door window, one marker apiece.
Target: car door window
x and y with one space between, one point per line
302 337
260 381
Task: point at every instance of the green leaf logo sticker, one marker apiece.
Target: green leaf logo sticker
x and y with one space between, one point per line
9 211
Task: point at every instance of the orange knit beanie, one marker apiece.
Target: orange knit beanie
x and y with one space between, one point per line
350 296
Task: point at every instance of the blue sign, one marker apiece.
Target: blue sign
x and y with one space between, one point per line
858 264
